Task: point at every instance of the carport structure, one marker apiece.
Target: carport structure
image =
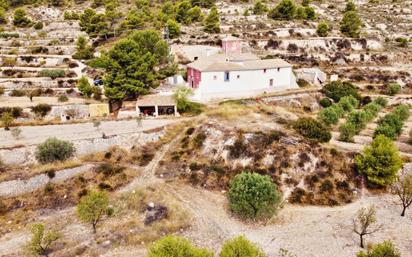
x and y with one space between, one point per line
156 105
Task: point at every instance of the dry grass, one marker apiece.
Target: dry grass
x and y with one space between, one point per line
13 172
128 221
230 110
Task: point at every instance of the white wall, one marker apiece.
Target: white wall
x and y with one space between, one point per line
249 83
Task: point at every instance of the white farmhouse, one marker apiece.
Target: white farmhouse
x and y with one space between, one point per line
234 74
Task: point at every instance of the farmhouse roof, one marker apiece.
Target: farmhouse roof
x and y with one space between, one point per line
152 100
236 62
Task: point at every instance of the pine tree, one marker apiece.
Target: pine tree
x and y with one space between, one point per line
212 21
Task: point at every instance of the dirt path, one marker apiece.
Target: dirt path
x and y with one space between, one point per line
305 231
33 135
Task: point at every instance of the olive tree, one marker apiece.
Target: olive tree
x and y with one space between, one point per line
41 240
364 223
53 150
252 195
403 189
92 207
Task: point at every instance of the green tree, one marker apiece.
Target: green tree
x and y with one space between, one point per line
380 162
285 10
385 249
182 15
41 240
41 110
131 65
134 20
337 89
84 86
7 120
312 129
260 8
350 6
393 89
305 2
351 24
3 16
310 13
173 28
20 19
92 207
195 14
203 3
403 189
240 246
94 24
323 29
212 21
176 246
83 50
252 195
53 150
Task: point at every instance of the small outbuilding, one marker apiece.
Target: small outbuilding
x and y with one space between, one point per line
156 105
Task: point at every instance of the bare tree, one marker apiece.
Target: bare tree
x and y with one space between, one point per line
364 222
403 188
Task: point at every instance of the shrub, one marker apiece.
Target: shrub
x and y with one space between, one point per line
385 249
17 93
381 101
347 132
391 124
38 25
184 105
169 246
41 110
174 28
92 207
323 29
252 195
240 246
351 24
41 240
380 162
403 42
84 86
212 21
329 116
62 98
20 19
259 8
6 120
285 10
312 129
14 111
393 89
348 103
338 89
325 102
53 74
53 150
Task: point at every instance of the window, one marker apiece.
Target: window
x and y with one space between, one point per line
238 76
271 82
214 77
278 69
227 77
264 70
